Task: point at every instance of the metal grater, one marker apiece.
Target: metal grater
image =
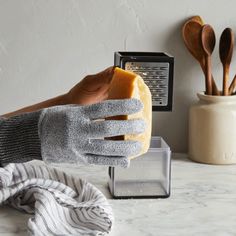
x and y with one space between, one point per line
149 175
157 71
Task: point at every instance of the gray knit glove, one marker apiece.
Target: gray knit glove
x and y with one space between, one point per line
75 133
72 134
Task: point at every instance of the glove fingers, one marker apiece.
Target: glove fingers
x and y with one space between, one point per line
106 160
113 108
110 128
113 148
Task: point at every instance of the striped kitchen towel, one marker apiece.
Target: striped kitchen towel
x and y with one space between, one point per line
61 204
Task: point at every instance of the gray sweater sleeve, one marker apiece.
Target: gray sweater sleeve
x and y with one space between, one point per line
19 138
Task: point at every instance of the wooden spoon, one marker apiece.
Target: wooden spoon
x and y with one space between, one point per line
208 40
226 52
191 33
197 19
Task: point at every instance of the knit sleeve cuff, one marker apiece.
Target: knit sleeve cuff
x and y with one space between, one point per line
19 138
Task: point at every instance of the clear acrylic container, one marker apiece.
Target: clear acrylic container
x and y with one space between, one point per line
148 175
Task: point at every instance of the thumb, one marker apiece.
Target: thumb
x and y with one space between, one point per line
98 81
105 76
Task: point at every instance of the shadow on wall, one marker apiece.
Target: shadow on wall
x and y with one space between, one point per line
173 126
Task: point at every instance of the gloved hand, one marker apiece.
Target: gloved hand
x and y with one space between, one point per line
75 133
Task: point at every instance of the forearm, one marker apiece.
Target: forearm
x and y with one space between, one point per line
59 100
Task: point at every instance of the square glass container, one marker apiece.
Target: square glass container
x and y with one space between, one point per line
148 175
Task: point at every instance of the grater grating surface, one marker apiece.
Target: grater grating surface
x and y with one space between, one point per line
156 68
155 75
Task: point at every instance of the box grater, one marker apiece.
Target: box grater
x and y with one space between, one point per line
149 174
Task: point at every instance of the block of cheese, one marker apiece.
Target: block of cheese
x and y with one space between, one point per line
126 84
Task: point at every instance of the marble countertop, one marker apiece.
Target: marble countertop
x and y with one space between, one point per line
202 202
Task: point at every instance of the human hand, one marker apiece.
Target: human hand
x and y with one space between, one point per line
76 133
92 89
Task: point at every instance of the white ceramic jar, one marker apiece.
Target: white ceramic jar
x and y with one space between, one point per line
212 130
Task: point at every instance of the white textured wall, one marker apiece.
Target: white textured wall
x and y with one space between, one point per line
48 46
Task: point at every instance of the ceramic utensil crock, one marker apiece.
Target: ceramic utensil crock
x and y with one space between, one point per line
212 130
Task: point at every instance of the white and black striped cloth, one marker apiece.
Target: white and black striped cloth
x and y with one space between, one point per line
61 204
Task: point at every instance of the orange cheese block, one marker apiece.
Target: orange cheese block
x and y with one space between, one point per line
126 84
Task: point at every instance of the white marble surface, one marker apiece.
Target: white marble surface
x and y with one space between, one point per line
202 202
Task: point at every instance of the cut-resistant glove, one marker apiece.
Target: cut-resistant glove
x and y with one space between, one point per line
72 134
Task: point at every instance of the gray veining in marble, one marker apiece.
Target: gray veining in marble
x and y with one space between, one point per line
202 202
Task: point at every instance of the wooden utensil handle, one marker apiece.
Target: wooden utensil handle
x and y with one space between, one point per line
225 81
232 85
215 90
208 76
